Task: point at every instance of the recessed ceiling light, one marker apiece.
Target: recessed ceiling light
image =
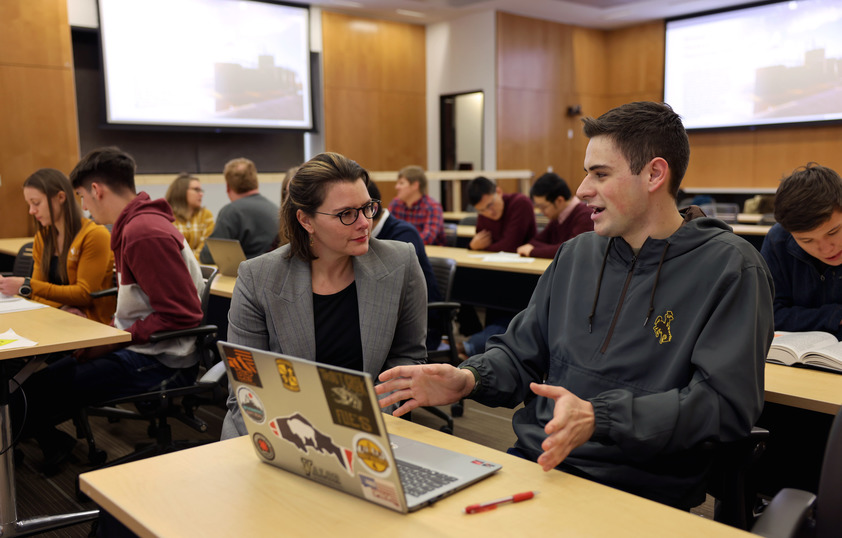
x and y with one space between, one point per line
409 13
346 3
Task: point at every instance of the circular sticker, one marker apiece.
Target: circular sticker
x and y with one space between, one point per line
251 405
264 447
372 455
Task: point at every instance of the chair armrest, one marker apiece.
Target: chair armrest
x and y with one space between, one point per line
215 374
785 515
443 305
103 293
201 330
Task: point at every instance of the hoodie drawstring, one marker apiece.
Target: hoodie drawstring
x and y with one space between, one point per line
599 285
655 286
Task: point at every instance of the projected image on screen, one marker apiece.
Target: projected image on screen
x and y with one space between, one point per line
206 63
777 63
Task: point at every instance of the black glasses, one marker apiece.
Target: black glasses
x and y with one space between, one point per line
350 216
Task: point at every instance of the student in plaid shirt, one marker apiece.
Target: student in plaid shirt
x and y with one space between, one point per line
413 205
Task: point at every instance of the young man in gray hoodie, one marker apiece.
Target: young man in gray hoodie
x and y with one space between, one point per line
641 341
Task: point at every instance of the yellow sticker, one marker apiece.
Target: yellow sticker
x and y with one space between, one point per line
4 342
372 455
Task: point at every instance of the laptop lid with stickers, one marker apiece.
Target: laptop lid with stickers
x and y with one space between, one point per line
227 254
323 422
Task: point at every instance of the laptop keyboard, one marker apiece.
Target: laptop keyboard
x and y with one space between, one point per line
417 480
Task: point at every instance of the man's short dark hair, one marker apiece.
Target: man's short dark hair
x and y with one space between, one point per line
642 131
373 191
479 187
550 186
807 198
108 165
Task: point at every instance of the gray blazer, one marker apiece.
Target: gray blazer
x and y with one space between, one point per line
272 309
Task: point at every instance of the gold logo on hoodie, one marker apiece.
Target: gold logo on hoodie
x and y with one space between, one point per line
662 327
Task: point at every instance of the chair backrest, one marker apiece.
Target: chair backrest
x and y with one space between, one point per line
451 235
444 269
209 274
724 212
829 498
23 261
469 220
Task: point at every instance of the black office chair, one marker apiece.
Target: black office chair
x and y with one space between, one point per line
23 262
157 407
798 513
731 478
451 235
444 270
469 220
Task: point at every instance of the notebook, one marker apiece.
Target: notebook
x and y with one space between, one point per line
227 254
323 422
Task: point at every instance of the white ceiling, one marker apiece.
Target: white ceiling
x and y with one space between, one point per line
588 13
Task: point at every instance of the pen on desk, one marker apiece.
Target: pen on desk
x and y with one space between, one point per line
491 505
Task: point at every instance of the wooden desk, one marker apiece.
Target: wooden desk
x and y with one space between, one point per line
54 330
750 229
749 218
804 388
466 230
222 489
11 245
469 258
498 285
223 286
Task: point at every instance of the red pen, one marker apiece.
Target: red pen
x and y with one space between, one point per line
491 505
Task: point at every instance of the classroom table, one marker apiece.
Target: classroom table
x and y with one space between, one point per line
223 286
10 246
55 330
804 388
497 285
223 489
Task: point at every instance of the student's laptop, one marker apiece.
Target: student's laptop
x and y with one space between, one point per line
227 254
324 423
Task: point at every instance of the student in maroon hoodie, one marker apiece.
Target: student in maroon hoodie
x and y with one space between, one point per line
568 216
505 221
159 283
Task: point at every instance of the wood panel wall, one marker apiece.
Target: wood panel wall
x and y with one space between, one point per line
375 92
609 68
37 102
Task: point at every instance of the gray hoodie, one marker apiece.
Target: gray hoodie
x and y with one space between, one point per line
669 346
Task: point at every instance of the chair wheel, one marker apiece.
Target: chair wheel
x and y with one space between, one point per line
457 410
446 429
97 456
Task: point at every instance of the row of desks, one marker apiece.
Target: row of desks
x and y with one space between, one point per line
223 489
175 495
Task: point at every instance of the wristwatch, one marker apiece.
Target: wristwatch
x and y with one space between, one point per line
26 289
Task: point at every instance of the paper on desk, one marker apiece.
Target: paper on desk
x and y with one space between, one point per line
11 340
19 304
507 257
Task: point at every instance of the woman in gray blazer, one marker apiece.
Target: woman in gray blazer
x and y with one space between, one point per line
332 294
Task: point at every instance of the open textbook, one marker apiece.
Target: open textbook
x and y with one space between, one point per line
811 348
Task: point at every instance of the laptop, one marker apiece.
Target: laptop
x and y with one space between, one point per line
227 254
323 422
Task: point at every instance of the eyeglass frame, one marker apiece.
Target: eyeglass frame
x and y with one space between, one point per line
357 211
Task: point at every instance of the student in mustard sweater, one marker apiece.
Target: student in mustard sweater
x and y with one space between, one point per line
71 254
